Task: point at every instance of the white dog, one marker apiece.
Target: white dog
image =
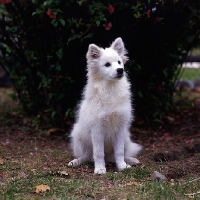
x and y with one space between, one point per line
101 132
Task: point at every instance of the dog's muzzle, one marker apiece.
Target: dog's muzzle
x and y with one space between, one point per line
120 72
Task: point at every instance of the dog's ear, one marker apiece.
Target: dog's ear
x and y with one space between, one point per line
118 46
93 52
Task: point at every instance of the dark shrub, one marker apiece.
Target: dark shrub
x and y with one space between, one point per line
43 46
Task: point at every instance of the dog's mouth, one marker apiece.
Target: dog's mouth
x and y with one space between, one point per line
119 76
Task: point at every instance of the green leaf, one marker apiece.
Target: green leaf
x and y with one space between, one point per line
138 5
62 21
35 1
34 13
137 15
54 22
58 68
97 22
90 35
80 2
60 53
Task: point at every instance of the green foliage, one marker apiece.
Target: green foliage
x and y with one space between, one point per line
43 47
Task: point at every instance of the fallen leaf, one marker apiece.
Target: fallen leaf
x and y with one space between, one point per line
14 161
191 196
133 183
41 188
1 161
53 130
63 174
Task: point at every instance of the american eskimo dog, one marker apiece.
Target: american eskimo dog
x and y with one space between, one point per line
101 132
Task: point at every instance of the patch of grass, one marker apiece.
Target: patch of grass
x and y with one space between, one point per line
136 173
189 73
165 190
195 51
19 181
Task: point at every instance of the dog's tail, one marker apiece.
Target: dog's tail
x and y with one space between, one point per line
132 149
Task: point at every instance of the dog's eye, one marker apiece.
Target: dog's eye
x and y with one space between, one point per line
119 62
107 64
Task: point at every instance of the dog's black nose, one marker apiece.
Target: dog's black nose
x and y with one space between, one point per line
120 70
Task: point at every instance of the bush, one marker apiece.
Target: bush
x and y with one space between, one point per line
43 46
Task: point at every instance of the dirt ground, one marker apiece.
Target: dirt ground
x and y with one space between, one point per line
175 144
172 148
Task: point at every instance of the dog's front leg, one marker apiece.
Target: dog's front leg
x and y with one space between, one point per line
98 152
119 151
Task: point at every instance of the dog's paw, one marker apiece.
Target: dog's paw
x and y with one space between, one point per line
100 170
132 161
73 163
123 166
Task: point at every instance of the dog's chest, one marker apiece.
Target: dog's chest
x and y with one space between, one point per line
114 118
112 110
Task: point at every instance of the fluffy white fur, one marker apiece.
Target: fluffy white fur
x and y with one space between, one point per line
101 132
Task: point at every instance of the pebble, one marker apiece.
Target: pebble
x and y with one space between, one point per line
157 176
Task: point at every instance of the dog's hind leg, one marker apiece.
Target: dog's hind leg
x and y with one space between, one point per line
80 147
76 162
81 155
131 161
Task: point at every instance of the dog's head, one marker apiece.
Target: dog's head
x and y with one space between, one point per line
108 63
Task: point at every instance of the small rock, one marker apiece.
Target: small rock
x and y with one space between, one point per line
157 176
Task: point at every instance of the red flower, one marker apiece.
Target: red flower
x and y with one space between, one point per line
51 15
5 1
148 13
111 9
107 26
